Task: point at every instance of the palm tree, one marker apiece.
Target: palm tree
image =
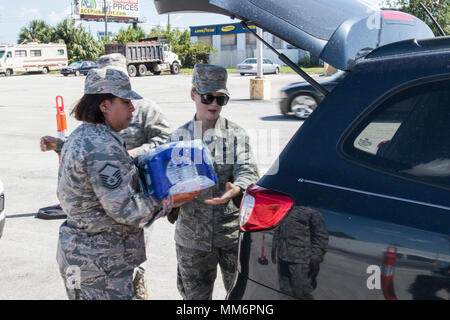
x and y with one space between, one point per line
37 31
80 43
129 35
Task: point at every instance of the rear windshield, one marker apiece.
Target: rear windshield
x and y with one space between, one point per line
319 18
250 61
2 52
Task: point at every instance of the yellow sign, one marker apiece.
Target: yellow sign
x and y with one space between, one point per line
204 30
116 8
227 28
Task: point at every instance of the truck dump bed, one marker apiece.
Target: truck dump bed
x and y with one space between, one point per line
137 52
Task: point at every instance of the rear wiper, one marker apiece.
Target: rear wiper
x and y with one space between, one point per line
291 64
441 31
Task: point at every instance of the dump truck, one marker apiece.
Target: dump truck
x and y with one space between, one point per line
146 55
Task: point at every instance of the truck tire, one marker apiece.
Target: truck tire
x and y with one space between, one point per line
45 70
175 68
142 70
132 70
8 72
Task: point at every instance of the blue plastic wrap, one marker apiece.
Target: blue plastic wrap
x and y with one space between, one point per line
177 167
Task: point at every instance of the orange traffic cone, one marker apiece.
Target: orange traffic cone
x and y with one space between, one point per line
55 211
61 122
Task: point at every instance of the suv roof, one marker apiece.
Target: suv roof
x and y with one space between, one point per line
339 32
410 46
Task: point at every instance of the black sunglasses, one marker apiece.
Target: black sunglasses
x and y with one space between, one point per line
209 98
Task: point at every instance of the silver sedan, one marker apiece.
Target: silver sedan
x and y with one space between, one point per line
250 66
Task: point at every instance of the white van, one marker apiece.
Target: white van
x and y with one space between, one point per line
32 57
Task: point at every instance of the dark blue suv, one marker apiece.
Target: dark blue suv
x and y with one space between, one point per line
359 205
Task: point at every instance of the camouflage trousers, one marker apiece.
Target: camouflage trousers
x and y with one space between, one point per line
197 270
113 285
295 280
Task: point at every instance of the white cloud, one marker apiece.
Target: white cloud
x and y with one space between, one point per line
29 13
56 17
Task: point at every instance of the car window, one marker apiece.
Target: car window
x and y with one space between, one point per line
250 61
267 61
407 134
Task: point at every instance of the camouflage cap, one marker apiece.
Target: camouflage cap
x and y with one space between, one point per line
113 59
210 78
110 77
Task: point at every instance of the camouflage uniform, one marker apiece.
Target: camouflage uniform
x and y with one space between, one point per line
300 238
102 240
207 235
147 129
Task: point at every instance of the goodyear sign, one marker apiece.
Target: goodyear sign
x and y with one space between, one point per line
232 28
116 8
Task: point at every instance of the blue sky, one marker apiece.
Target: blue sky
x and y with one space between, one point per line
14 15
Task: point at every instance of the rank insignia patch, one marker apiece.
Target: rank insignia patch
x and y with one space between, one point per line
110 177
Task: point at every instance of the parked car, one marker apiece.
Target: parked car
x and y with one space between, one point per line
2 209
78 67
358 203
250 66
301 98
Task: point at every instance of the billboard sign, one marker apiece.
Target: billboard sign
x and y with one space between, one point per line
125 9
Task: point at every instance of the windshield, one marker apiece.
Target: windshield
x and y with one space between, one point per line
75 64
2 52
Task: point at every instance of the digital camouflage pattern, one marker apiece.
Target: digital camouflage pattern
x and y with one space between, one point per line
201 225
110 79
208 78
208 234
103 236
112 59
197 270
301 236
148 128
300 243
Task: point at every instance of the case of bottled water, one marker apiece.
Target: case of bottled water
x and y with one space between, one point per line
176 167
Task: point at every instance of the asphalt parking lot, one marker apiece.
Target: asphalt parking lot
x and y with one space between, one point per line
28 268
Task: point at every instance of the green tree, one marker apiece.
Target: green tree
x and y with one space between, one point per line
440 9
80 43
37 31
180 43
129 35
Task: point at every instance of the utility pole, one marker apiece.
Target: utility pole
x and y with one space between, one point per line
259 49
168 22
105 9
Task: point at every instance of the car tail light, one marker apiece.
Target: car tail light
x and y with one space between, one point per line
263 208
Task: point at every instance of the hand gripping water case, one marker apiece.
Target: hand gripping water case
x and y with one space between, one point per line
176 167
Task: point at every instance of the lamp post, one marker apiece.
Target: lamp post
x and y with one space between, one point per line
105 10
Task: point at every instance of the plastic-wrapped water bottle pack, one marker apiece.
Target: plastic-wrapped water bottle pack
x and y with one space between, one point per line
176 167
